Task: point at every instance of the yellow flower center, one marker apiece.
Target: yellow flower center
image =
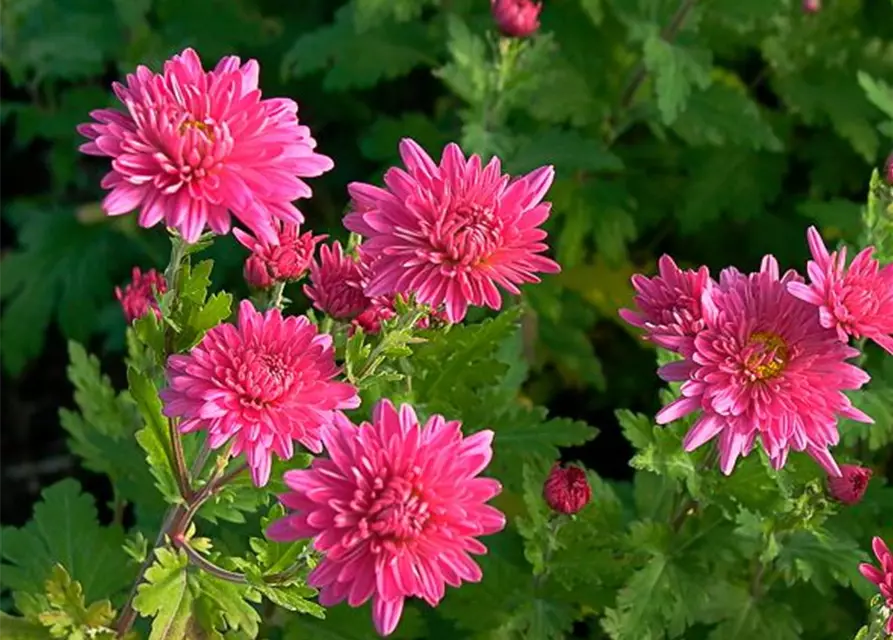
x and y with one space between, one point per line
205 128
768 356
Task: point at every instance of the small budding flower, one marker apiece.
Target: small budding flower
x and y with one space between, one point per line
139 296
516 18
849 487
567 490
888 170
812 6
256 273
882 577
336 283
286 259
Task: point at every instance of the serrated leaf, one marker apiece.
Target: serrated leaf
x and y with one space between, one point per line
344 53
154 437
65 530
877 91
567 150
676 70
373 13
747 618
69 617
466 74
15 628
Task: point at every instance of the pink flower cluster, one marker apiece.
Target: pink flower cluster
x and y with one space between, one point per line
764 355
397 505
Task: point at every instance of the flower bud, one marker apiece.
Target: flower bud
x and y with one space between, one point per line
516 18
256 273
850 486
888 170
812 6
138 297
567 490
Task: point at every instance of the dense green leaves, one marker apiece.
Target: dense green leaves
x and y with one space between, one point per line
677 71
65 530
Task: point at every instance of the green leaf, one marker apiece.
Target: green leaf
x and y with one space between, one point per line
373 13
676 70
62 269
15 628
746 618
822 558
182 600
381 140
724 114
466 74
344 53
65 530
154 437
348 623
837 213
68 616
877 91
567 150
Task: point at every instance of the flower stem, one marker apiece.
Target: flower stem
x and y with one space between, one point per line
276 296
179 461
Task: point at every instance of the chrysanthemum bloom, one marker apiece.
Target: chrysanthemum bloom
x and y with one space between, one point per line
567 490
139 296
516 18
451 233
851 485
396 510
856 301
669 305
336 283
284 260
764 367
195 145
882 577
264 384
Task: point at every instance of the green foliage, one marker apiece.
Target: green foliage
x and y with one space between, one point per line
65 530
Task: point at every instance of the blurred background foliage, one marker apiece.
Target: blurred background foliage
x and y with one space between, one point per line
716 131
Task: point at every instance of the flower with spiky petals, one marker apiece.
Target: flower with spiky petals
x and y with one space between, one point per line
856 301
763 367
669 305
450 233
140 294
336 283
395 509
195 145
284 260
851 485
262 384
882 577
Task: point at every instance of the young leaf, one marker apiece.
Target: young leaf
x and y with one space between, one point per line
466 75
65 530
677 70
154 437
68 616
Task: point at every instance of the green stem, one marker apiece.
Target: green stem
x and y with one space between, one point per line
276 296
179 460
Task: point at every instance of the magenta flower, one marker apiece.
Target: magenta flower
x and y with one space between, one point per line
669 305
139 296
516 18
851 485
262 384
370 319
336 283
567 489
764 367
882 577
284 260
396 510
195 145
451 233
856 301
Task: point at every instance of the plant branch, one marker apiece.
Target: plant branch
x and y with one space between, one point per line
232 576
179 461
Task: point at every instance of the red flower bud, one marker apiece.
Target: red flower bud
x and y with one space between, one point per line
516 18
567 490
256 273
888 170
138 297
849 487
812 6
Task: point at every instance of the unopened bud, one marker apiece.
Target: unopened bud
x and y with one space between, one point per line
516 18
888 170
850 486
812 6
256 273
567 490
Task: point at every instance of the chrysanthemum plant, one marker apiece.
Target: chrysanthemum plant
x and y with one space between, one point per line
276 473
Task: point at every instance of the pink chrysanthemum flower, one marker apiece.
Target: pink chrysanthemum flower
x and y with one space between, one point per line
669 305
284 260
336 283
764 367
450 233
882 577
139 296
195 145
264 384
396 510
856 301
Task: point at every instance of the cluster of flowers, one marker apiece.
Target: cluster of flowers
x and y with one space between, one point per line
396 506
